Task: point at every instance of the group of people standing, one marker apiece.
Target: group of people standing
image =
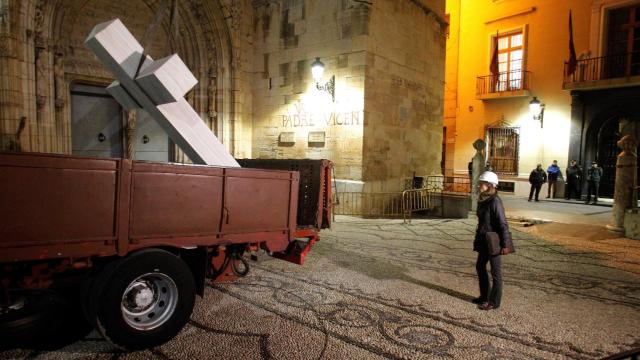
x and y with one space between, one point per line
574 180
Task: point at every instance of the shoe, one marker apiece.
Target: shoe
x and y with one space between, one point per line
548 197
529 200
479 300
537 200
487 306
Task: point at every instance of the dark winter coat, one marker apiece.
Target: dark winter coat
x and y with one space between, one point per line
594 174
538 177
574 173
491 217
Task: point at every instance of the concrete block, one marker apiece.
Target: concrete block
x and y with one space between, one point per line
166 80
121 96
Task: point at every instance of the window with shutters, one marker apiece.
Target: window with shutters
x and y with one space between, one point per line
508 76
503 149
510 61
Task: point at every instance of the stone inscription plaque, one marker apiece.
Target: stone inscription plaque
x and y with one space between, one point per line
316 136
287 137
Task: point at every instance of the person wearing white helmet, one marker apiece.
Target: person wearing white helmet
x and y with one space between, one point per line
491 222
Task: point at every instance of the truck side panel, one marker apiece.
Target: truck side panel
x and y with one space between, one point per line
174 200
258 200
57 206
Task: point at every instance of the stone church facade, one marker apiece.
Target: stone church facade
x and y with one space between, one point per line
253 62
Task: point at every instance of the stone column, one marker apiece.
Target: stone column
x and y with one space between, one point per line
476 169
625 182
11 45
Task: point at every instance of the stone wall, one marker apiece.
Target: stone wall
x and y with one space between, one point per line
388 62
403 93
292 118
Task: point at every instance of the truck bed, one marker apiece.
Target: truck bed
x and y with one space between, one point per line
58 206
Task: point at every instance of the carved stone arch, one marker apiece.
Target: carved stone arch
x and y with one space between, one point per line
204 44
220 50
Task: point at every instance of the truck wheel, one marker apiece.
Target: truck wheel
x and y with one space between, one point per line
35 319
143 300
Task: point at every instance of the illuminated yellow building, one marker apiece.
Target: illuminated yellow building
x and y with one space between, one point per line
584 112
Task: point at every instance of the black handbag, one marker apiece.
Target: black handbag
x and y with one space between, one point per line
493 243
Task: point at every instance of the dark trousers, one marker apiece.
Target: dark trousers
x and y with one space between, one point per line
593 187
573 188
492 294
552 186
535 187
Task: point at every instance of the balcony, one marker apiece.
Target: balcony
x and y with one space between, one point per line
604 72
504 85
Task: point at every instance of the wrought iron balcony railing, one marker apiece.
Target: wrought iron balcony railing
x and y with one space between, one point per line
504 82
604 68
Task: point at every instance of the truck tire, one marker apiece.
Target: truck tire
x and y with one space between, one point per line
43 320
143 300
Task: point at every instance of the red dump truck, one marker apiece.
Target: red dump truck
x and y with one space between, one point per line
138 240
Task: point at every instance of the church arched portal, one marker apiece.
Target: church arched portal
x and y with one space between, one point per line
61 62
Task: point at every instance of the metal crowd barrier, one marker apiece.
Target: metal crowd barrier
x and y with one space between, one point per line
386 204
417 200
401 204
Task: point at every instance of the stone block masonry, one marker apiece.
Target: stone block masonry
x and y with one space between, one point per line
388 62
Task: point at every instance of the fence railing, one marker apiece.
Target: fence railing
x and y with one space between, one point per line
441 183
383 204
400 204
504 81
604 67
418 200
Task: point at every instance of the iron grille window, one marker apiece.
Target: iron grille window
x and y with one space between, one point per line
503 149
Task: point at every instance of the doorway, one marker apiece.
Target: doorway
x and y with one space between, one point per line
98 128
96 123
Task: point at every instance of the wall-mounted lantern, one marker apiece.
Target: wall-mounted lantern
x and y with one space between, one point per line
537 110
317 70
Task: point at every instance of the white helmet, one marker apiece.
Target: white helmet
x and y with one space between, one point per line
489 177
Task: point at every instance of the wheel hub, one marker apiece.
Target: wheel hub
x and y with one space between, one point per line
149 301
140 295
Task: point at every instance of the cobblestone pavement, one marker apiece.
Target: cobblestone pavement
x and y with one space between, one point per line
381 289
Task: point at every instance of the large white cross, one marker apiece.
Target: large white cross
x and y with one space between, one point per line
158 87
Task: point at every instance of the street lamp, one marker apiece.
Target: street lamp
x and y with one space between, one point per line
317 70
537 110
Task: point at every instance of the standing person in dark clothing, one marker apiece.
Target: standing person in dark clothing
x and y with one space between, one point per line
553 171
536 179
594 174
491 218
574 179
